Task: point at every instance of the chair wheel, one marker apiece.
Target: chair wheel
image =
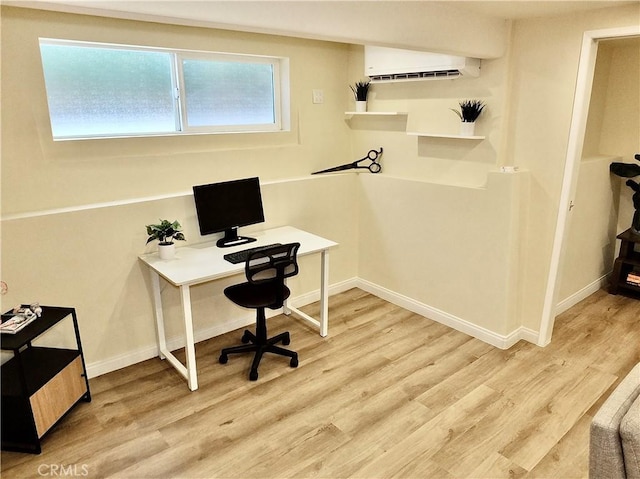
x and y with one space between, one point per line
223 359
293 363
253 375
286 340
245 337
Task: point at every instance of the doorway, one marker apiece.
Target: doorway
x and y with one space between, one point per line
586 69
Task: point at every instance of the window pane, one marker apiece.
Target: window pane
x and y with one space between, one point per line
102 91
228 93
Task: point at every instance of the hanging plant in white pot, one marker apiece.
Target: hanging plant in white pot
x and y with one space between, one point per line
165 232
469 112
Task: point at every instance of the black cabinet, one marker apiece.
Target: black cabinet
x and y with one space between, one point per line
39 384
627 265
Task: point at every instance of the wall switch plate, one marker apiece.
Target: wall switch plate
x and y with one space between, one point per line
318 96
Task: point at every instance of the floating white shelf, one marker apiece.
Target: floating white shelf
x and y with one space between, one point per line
439 135
351 114
399 114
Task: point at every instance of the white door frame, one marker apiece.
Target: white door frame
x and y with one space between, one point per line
581 100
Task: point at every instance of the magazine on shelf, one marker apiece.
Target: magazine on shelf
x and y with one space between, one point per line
634 278
15 323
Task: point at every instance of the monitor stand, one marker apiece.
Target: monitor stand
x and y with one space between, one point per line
231 238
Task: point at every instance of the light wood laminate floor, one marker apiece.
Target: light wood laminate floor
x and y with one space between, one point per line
387 394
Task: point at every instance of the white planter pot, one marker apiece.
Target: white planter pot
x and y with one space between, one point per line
467 128
361 106
167 251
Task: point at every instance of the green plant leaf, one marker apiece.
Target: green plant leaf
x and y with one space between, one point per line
165 232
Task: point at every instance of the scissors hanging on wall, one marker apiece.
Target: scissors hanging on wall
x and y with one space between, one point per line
374 166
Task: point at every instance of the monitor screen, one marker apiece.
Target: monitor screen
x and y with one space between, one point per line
225 206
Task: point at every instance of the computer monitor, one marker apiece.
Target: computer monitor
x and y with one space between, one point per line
226 206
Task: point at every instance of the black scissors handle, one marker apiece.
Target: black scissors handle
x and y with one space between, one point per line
375 168
373 155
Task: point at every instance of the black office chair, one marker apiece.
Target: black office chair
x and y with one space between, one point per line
266 271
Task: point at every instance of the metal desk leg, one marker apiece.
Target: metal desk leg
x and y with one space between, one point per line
157 304
323 323
324 293
192 374
189 372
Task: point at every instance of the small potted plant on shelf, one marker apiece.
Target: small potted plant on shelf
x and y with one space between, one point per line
360 91
469 112
165 232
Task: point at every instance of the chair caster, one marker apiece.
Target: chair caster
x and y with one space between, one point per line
286 340
245 337
253 375
223 359
293 363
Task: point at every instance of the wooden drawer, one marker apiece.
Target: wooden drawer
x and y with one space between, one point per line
57 396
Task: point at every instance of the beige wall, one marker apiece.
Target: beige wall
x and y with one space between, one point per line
89 261
429 104
451 249
603 203
70 173
474 243
597 103
621 120
441 224
545 55
530 96
85 255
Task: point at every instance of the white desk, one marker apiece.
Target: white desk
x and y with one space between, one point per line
204 262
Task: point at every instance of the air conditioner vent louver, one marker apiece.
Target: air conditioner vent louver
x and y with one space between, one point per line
393 65
415 76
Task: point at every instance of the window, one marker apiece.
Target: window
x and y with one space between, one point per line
99 90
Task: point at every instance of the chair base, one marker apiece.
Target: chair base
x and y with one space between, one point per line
260 344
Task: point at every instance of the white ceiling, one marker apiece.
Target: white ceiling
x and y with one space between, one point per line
417 24
217 12
514 10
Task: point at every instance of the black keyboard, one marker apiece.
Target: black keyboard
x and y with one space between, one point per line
241 256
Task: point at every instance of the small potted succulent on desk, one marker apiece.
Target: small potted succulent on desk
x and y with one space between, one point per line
469 112
165 232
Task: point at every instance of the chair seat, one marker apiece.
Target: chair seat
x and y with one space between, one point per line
266 295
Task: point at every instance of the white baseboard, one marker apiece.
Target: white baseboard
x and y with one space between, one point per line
98 368
118 362
585 292
459 324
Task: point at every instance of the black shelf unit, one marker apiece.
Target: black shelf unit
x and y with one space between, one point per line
627 261
39 384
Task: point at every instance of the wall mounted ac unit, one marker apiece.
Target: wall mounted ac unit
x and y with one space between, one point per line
383 64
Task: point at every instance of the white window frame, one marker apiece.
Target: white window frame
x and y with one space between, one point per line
280 67
229 57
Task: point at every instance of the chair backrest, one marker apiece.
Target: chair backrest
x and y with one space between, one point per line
273 263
